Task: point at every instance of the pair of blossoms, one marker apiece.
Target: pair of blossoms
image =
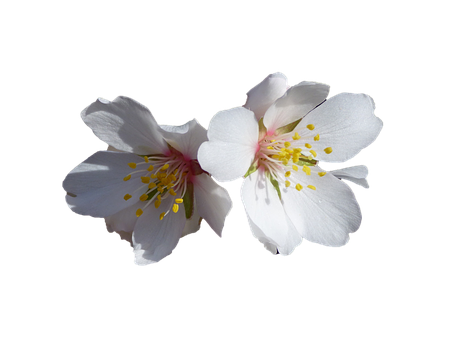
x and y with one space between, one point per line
153 185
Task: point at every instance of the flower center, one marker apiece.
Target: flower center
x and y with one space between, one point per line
163 177
282 155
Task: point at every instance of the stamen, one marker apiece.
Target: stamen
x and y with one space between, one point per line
295 168
316 138
146 159
128 177
307 170
296 136
157 204
287 183
132 165
288 173
308 146
310 127
175 208
179 200
313 153
143 197
165 167
127 196
287 144
145 179
139 212
299 187
172 192
321 174
311 187
151 185
161 216
150 168
328 150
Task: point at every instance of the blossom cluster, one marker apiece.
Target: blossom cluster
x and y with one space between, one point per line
153 184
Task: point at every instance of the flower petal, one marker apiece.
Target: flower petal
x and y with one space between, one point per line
126 125
98 185
264 209
355 174
212 201
123 220
186 138
325 215
263 95
268 244
192 224
346 123
153 238
295 104
233 142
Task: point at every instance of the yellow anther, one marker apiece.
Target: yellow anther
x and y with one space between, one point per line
173 177
316 138
161 216
295 168
175 208
308 146
160 189
179 200
313 153
145 179
128 177
151 185
310 127
310 157
143 197
297 150
127 196
132 165
150 168
159 198
176 171
299 187
321 174
287 144
139 212
153 176
157 204
311 187
276 156
287 183
285 162
270 147
184 173
307 170
165 167
296 136
172 192
272 140
146 159
288 173
328 150
296 158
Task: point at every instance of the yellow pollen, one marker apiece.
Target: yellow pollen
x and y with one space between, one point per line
175 208
176 171
150 168
173 177
128 177
153 176
328 150
270 147
159 198
172 192
179 200
310 127
295 168
321 174
311 187
127 196
297 150
161 216
316 138
308 146
151 185
132 165
143 197
169 185
288 173
272 140
287 183
285 162
307 170
296 136
139 212
146 159
157 204
160 189
299 187
145 179
287 144
165 167
313 153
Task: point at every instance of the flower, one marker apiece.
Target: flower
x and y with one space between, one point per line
150 188
276 142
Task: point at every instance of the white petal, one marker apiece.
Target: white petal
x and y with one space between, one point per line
326 215
263 95
233 142
295 104
154 239
126 125
186 138
268 244
192 224
265 210
355 174
123 220
212 201
99 186
345 122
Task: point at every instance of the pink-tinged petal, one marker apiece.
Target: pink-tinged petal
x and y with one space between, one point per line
295 104
96 186
355 174
265 210
192 224
153 238
212 201
233 142
263 95
325 213
346 123
126 125
186 138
